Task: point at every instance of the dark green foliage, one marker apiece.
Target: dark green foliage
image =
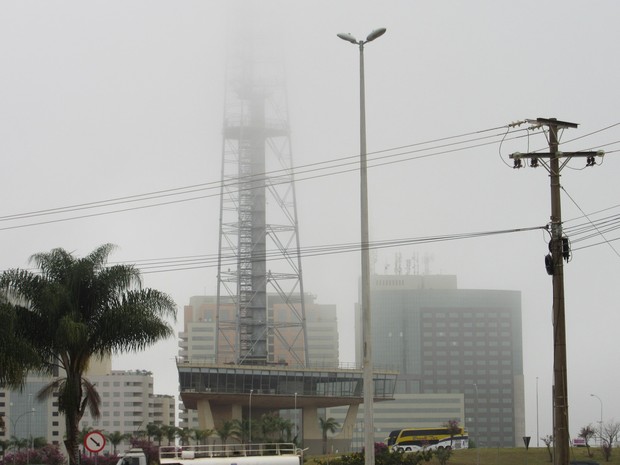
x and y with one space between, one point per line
443 455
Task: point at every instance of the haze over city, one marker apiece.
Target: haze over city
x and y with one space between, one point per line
113 107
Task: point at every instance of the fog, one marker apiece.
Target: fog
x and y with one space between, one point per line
107 100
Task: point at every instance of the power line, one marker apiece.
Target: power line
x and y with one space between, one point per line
208 261
302 171
216 185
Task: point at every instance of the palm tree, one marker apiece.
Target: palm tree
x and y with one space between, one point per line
16 355
184 434
274 428
242 430
74 310
286 430
226 430
4 444
116 438
201 435
170 432
154 431
18 443
327 425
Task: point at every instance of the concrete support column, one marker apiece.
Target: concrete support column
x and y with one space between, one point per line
205 415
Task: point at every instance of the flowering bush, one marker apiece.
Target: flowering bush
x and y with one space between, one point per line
49 454
382 457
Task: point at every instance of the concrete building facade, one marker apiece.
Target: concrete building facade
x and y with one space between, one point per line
197 341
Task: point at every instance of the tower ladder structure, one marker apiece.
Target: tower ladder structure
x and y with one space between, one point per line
259 262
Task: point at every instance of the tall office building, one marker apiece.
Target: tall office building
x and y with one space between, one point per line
450 341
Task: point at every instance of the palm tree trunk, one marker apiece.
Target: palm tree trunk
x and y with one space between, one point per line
71 443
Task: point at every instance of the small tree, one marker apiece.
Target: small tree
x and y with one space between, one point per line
453 429
609 435
587 433
548 440
150 450
443 455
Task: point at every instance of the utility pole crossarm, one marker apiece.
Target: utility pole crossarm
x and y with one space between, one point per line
535 156
519 155
552 122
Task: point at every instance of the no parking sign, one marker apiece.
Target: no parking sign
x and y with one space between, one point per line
94 441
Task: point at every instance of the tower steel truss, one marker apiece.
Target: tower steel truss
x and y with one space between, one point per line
259 264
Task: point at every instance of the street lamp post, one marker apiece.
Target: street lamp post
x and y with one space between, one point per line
369 440
537 434
250 418
14 430
600 431
296 425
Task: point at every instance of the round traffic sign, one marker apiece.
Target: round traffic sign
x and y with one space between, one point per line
94 441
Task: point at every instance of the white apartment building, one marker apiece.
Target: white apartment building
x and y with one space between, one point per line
128 404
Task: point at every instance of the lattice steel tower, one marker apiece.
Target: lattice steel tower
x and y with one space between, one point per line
260 296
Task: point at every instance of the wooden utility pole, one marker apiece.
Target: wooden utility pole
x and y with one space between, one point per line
560 250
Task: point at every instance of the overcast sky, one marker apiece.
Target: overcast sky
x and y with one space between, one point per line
107 99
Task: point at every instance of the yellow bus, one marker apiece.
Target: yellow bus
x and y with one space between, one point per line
414 439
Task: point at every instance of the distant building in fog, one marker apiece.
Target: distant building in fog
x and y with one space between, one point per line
450 341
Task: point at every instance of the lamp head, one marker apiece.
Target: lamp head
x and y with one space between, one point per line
375 34
348 37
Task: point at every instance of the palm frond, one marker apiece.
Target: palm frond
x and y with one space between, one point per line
91 400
